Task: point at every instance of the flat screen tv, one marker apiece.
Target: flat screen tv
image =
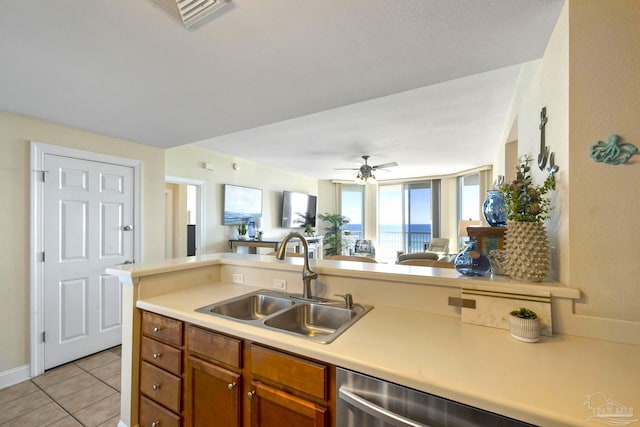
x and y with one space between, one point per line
241 204
298 209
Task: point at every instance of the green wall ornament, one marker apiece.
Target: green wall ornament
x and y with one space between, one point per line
613 152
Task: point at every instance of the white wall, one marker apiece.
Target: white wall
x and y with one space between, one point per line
16 132
589 81
604 89
187 162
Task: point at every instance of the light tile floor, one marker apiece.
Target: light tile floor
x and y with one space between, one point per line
81 393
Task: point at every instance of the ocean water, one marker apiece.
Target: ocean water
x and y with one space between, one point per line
394 228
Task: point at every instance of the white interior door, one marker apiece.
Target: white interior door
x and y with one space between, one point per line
88 226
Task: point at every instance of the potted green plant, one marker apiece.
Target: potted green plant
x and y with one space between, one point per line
526 243
333 242
524 325
242 231
309 230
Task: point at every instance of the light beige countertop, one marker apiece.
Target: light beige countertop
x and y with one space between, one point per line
546 383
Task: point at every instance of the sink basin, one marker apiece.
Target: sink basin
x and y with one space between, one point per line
254 306
316 321
319 322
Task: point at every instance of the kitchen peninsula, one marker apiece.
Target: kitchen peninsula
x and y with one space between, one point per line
412 337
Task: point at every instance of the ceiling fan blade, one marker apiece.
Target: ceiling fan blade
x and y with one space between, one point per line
346 169
384 165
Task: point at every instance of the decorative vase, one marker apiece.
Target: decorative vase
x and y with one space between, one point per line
526 330
251 229
494 208
528 253
472 262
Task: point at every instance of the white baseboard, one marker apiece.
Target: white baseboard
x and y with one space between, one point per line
121 424
14 376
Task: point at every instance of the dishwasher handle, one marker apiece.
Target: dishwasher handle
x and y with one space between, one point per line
377 411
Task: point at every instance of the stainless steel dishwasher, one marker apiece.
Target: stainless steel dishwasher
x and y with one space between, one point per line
364 401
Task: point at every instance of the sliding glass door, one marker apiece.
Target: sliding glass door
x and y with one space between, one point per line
408 213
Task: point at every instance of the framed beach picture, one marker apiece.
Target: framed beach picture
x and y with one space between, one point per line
241 204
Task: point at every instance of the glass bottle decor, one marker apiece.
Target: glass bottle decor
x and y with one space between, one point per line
472 262
251 229
494 208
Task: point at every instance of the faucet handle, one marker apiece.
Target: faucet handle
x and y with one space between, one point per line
348 300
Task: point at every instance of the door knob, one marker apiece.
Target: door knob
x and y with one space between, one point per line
127 228
250 395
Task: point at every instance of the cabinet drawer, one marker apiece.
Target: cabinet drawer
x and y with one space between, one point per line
215 346
290 371
161 386
154 415
162 328
162 355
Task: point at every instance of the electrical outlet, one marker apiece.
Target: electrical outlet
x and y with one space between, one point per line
238 278
279 284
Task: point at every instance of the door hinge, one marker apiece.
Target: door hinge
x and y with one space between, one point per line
42 254
42 173
44 336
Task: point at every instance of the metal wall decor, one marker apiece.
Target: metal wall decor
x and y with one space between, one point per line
544 150
544 156
613 152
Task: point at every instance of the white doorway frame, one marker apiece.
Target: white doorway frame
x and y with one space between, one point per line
200 207
38 152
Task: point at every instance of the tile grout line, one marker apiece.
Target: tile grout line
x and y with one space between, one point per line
102 381
55 401
57 404
6 422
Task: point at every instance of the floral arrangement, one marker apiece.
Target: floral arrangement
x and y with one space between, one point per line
525 201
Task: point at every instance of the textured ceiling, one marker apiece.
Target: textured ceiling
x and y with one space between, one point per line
304 86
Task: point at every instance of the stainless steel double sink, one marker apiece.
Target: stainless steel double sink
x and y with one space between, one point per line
320 321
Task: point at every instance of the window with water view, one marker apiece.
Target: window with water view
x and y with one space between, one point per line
405 217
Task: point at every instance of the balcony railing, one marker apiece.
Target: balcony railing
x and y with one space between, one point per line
389 243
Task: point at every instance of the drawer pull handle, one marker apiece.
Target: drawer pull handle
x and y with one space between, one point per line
155 424
250 395
156 355
155 387
156 329
231 386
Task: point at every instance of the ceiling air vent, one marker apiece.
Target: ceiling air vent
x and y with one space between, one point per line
191 11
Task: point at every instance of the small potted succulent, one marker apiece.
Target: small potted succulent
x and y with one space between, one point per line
242 231
524 325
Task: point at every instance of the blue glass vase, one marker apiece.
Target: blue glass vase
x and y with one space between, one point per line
494 208
472 262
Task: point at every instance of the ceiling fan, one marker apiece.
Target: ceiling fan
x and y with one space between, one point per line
365 172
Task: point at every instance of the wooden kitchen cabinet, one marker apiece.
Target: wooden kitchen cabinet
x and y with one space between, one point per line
212 395
288 389
213 379
193 376
161 371
271 407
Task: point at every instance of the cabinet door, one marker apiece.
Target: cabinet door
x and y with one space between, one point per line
212 395
271 407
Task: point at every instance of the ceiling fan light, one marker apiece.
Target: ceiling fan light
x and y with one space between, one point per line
360 180
372 179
